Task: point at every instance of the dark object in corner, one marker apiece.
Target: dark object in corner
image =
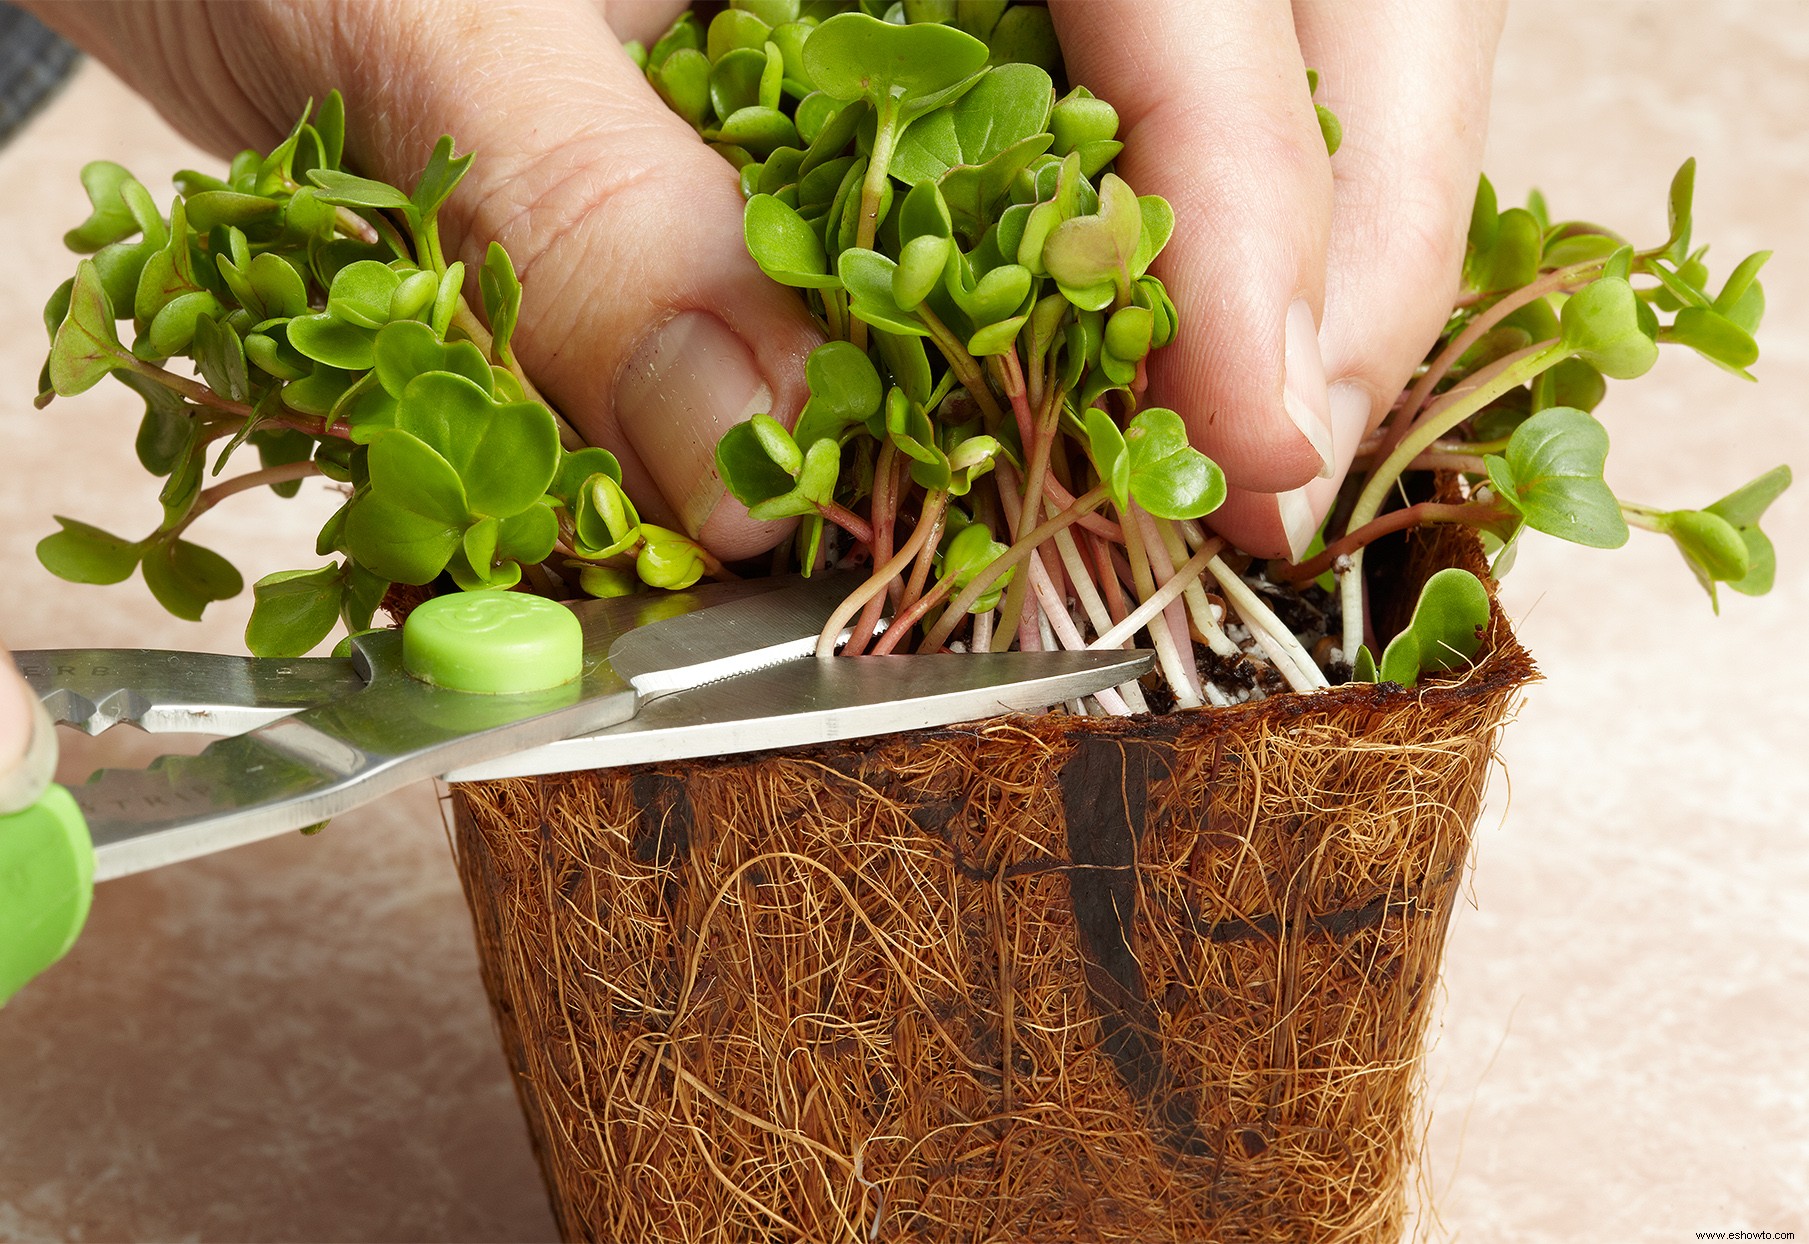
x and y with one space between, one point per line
34 62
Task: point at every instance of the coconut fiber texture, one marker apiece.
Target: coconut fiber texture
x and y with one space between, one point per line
1039 979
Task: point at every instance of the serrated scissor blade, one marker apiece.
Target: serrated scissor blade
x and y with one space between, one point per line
94 689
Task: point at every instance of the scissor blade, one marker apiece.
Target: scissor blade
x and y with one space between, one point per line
809 701
313 765
744 632
94 689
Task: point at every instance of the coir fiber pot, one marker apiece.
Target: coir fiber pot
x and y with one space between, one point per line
1041 978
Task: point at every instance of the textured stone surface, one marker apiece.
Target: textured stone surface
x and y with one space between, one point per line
289 1041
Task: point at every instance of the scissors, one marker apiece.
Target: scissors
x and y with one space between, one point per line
473 686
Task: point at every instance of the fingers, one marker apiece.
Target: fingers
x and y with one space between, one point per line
1409 82
645 20
1216 118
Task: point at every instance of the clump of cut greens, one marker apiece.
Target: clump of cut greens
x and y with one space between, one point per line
975 432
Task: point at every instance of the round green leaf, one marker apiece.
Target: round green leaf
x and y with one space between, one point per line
1446 630
295 610
80 553
1551 474
854 56
787 249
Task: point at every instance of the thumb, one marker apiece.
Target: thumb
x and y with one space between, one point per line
1215 116
28 742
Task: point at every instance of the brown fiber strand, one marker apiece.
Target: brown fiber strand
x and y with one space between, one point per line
868 990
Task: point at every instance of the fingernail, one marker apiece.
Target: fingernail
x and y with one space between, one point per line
1297 522
1350 406
1303 383
689 382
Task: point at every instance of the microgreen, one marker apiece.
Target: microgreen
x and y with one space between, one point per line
976 428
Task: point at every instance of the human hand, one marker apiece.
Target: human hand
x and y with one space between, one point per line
649 327
1272 237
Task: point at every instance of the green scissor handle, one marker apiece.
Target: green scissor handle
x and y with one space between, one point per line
46 885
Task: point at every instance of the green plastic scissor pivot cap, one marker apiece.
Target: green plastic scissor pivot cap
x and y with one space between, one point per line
503 643
46 885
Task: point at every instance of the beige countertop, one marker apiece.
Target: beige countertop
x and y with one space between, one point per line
289 1041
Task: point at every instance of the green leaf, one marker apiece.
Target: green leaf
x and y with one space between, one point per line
408 472
1167 475
86 346
1445 633
406 349
1743 508
1601 325
814 486
732 30
1363 668
845 391
505 453
1551 474
167 431
576 469
345 190
172 329
1091 253
1007 105
214 208
867 276
501 292
439 179
1747 504
1677 211
112 218
853 56
966 552
1025 34
1715 337
668 559
80 553
362 293
787 248
1742 299
326 338
683 81
1513 260
1105 441
186 578
735 79
279 287
220 357
295 610
605 519
1713 547
529 536
396 543
1570 382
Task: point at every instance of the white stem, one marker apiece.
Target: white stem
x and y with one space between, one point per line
982 641
1350 596
1271 634
1186 695
1198 607
1140 617
1175 615
1056 626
